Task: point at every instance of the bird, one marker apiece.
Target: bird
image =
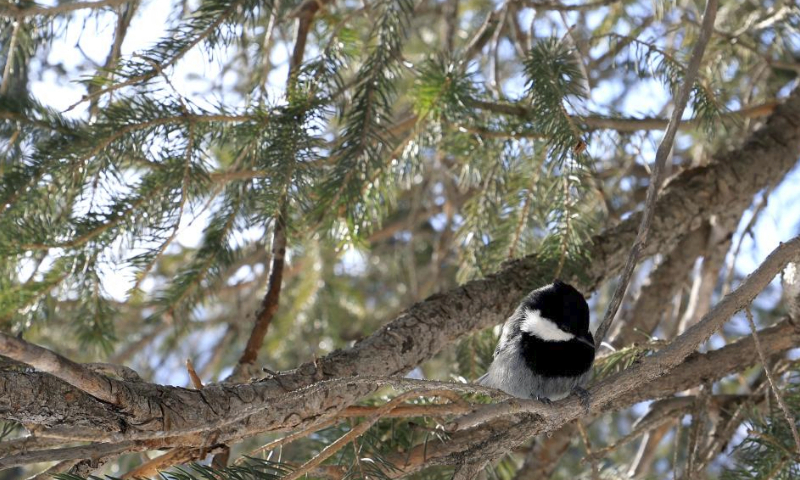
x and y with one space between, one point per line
546 349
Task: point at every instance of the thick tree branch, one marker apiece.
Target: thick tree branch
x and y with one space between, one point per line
47 361
697 368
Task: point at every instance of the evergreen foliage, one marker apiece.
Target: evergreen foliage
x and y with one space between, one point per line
135 218
768 450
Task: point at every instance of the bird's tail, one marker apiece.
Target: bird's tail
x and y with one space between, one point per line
482 379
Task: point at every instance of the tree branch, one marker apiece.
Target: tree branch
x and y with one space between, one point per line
72 453
664 149
627 125
12 10
269 306
50 362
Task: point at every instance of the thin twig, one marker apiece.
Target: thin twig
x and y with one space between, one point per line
153 466
124 18
696 430
357 431
661 413
624 124
675 450
196 382
778 396
267 46
562 7
59 467
664 149
759 207
288 439
588 445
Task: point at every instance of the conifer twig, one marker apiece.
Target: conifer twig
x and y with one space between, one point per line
170 62
269 306
778 396
664 149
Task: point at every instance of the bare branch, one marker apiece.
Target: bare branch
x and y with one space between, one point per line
778 396
626 125
563 7
664 149
588 446
72 453
269 306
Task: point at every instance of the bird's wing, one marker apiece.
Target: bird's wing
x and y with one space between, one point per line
509 331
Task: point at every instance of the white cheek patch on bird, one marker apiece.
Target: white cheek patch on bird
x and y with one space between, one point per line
547 330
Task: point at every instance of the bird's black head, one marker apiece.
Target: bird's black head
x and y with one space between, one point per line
562 304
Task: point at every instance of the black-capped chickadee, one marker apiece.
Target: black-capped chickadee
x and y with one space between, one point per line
546 349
